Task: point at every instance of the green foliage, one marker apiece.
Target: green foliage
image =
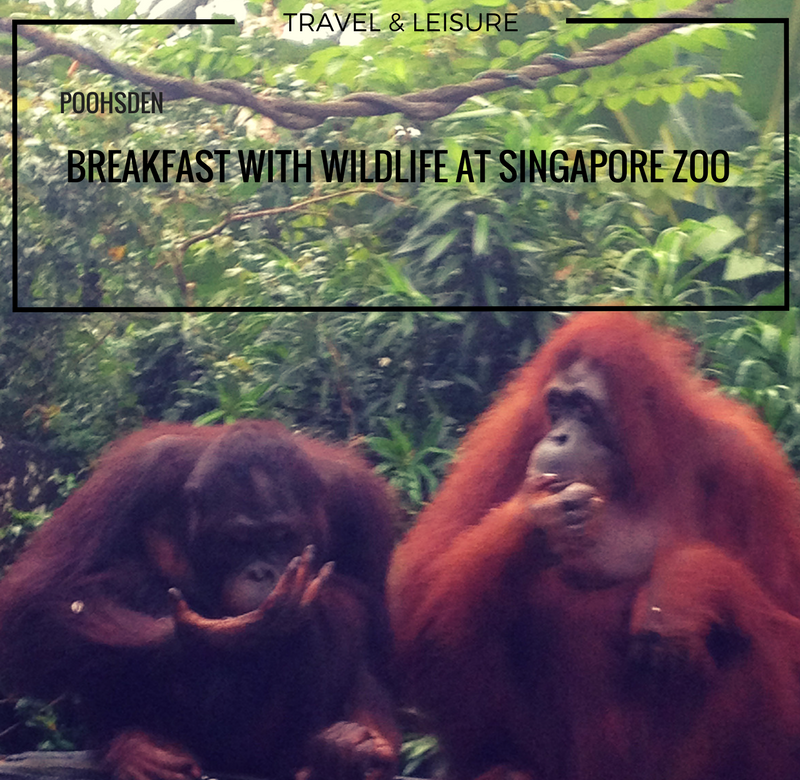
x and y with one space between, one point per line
44 722
674 271
416 753
410 466
14 534
458 244
758 360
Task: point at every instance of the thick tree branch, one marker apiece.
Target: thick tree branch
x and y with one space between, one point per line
424 105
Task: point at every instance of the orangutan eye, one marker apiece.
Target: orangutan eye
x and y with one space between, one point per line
555 405
585 409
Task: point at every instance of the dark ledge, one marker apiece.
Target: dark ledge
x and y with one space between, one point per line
66 765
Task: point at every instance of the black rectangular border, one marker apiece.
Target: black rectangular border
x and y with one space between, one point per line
544 307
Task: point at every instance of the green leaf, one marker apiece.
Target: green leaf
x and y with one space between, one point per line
597 87
440 246
292 6
713 236
698 89
617 102
743 265
671 93
480 235
647 96
712 35
566 93
507 47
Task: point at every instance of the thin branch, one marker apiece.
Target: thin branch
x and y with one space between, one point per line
177 254
299 206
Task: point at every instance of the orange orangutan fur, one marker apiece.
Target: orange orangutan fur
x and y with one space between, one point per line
527 675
